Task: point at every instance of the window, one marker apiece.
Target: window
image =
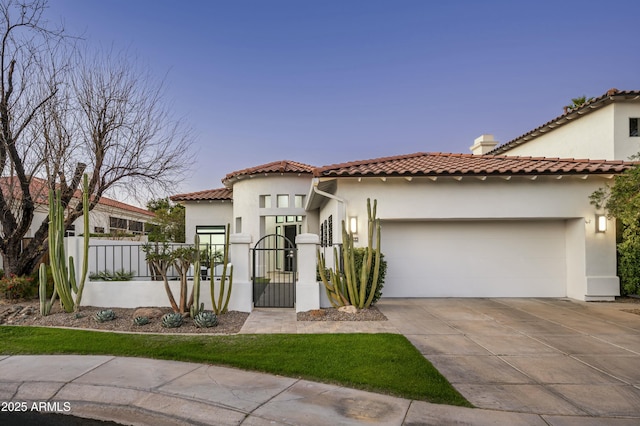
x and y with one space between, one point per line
265 201
117 224
212 239
211 234
283 201
98 229
136 227
120 225
298 201
633 127
325 234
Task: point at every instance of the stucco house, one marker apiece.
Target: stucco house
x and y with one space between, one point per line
500 222
607 127
109 217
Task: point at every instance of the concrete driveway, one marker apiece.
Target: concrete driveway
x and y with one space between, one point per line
547 356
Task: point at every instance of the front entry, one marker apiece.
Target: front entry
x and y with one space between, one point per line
274 272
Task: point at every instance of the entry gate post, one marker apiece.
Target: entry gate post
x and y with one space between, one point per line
307 287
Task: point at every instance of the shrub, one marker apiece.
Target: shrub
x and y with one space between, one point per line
107 275
629 261
359 259
13 287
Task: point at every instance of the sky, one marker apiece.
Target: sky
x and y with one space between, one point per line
325 82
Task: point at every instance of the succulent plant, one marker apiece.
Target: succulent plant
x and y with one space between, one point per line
141 320
172 320
105 315
205 319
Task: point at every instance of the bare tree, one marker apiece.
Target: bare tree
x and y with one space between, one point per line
74 113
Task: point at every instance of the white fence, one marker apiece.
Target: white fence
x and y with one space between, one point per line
145 292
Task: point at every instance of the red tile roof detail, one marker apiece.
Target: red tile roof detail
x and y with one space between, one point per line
569 115
104 201
40 194
283 166
209 194
445 164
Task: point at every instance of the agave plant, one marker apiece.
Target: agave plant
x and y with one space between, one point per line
141 320
172 320
104 315
205 319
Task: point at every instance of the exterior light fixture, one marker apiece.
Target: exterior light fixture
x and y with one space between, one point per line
353 224
601 223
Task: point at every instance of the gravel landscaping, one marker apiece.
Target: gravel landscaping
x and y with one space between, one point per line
27 313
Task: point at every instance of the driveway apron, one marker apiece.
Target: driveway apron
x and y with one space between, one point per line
546 356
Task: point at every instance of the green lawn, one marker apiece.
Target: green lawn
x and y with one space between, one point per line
383 363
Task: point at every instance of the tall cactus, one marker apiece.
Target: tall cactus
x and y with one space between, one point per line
334 284
45 303
195 307
64 276
221 304
352 288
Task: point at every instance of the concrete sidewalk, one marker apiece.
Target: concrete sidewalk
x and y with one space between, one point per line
140 391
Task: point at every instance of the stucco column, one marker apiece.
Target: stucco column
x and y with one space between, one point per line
307 287
242 292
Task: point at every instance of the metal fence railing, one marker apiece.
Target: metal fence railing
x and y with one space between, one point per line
123 259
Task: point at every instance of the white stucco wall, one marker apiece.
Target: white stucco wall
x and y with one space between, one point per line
134 294
206 213
591 136
625 145
591 265
493 198
600 135
246 199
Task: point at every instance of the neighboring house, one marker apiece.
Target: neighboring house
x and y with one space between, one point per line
107 217
607 127
456 225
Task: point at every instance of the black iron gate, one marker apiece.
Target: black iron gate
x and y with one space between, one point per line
274 272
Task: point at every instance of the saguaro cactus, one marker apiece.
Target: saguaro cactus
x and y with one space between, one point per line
64 276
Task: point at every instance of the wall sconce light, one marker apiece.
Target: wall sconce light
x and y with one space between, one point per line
353 224
601 223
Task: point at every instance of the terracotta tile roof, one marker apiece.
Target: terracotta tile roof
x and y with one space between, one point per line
208 194
444 164
104 201
283 166
569 115
40 194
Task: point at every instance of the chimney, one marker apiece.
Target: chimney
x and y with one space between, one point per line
483 144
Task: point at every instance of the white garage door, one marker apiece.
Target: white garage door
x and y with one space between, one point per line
475 259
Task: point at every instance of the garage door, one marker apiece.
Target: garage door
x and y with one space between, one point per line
475 259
